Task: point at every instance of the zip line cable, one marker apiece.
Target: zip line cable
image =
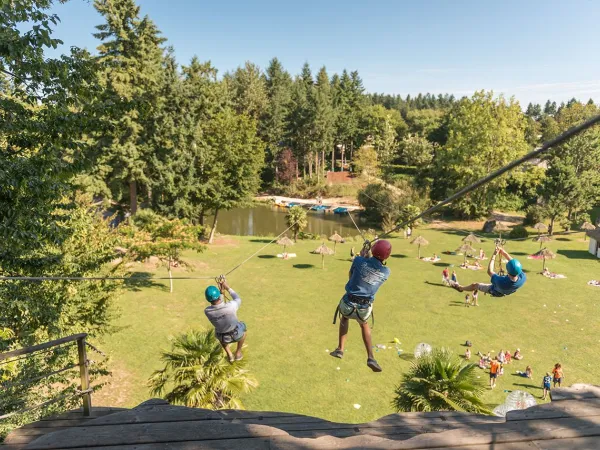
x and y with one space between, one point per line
517 162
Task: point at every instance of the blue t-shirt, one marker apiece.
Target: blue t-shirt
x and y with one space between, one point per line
368 274
547 380
503 285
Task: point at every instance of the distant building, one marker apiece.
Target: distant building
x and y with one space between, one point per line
594 242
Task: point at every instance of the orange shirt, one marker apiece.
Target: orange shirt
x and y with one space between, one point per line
494 366
557 372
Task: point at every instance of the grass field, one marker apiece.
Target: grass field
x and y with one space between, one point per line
288 307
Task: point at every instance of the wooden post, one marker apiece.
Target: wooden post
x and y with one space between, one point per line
85 377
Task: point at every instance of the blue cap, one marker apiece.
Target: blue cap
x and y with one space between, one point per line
212 294
514 267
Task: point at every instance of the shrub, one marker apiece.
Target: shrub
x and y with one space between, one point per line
534 214
308 236
518 232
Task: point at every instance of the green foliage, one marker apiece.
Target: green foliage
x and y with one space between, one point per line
297 219
417 150
366 161
197 374
518 232
440 381
535 214
387 205
384 127
248 90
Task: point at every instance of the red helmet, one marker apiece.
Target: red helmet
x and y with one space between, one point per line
381 250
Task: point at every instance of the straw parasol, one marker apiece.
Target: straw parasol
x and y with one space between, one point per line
541 239
323 250
540 227
499 228
335 238
472 239
545 254
420 240
285 241
586 226
464 249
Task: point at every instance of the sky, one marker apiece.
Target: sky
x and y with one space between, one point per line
534 50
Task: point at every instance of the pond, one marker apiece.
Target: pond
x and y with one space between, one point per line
263 220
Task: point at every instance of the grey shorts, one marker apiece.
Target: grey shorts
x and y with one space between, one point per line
483 287
361 315
233 336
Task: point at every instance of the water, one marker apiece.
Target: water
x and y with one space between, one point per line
263 220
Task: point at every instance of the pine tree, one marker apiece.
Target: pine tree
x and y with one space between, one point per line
131 57
248 90
300 120
323 118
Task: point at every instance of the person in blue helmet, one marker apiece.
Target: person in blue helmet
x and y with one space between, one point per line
223 316
500 285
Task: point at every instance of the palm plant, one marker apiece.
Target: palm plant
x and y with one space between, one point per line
440 381
197 375
296 219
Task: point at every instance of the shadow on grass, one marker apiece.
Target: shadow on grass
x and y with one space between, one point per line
398 255
303 266
563 239
441 264
531 386
261 240
434 284
406 357
267 256
520 253
141 280
576 254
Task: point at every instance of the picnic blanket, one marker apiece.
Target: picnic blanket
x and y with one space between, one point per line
431 259
554 276
289 255
470 267
594 283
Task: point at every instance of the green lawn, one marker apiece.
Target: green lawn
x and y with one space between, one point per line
288 307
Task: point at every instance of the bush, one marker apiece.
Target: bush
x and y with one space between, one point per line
534 214
518 232
147 220
308 236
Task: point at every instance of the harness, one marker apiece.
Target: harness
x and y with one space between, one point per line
355 301
231 333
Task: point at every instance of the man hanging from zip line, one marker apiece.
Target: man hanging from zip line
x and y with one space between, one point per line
223 316
367 274
500 285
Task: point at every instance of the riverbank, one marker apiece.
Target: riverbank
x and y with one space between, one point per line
345 202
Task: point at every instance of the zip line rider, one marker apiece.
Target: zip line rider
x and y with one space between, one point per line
500 285
223 316
367 274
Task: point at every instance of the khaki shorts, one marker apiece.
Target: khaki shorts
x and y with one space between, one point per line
485 288
361 315
233 336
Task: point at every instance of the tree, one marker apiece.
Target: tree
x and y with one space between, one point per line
550 108
300 133
248 90
233 158
440 381
379 203
296 219
286 166
366 161
197 375
384 126
323 119
417 150
485 133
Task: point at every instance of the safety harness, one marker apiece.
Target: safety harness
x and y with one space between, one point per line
354 301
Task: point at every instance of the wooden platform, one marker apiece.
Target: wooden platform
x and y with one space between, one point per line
571 421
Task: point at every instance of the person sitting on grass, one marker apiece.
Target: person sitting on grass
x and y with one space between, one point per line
546 385
223 316
366 277
518 355
507 357
482 363
501 357
500 285
468 354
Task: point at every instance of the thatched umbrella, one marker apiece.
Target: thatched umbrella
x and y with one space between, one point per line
323 250
540 227
335 238
545 254
541 239
420 240
464 249
472 239
586 227
499 228
285 241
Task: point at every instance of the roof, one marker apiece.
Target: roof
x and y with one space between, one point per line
594 234
571 420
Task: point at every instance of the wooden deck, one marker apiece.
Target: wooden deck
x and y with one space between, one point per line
571 421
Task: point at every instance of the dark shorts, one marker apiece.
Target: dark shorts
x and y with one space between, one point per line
547 387
493 375
233 336
558 380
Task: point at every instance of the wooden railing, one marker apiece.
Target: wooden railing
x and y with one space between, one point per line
84 390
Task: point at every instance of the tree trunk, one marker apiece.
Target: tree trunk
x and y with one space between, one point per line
310 165
133 197
297 172
317 166
419 250
214 228
342 156
333 160
170 276
322 261
202 217
323 165
551 226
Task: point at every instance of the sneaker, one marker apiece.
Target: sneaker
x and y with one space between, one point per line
337 353
373 365
239 358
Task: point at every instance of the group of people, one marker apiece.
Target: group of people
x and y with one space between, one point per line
447 279
495 364
472 299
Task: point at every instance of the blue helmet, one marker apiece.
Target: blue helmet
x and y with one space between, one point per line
212 294
514 267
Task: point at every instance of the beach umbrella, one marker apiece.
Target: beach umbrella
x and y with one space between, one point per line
541 239
323 250
285 241
335 238
499 228
586 227
540 227
464 249
544 254
472 239
420 240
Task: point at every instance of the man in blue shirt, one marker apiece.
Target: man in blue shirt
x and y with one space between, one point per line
500 285
366 276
